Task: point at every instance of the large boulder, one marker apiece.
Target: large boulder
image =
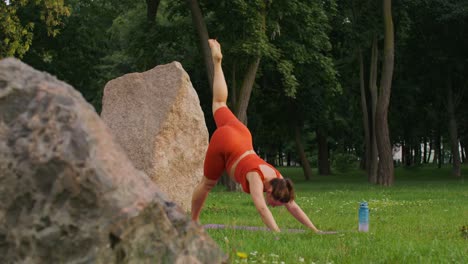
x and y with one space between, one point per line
156 117
69 194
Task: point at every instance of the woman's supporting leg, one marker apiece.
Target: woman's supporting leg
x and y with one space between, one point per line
199 196
213 167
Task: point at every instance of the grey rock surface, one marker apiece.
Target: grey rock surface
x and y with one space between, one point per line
68 192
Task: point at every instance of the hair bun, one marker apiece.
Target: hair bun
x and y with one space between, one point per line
289 183
283 190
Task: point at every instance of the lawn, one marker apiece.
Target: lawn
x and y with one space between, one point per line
419 220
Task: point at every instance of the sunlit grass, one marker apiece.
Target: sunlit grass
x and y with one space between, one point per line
419 220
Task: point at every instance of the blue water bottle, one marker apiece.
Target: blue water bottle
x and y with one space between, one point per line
363 217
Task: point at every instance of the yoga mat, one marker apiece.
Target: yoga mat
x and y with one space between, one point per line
258 228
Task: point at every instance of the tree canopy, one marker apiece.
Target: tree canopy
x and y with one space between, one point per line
18 18
305 76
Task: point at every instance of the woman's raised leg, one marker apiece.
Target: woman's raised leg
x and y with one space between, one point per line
220 91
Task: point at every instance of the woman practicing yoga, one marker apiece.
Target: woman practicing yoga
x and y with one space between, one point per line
231 149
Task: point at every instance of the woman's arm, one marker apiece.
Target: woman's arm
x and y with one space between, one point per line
297 212
256 191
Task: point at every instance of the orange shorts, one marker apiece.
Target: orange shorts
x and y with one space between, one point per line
230 140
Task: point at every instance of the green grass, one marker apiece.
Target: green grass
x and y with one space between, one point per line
419 220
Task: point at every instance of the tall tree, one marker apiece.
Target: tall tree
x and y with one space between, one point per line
385 171
365 116
301 151
373 159
356 37
202 31
369 118
453 130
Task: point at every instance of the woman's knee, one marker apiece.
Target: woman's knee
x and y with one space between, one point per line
208 184
216 105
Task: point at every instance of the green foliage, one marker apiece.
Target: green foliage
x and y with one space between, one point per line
308 75
241 25
419 220
298 86
299 30
138 46
344 161
19 18
289 81
15 38
76 54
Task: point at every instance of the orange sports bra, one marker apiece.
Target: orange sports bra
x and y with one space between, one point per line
247 164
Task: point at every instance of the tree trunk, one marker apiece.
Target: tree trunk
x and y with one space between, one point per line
441 159
417 153
403 153
365 117
246 91
453 132
374 160
464 150
425 151
412 155
202 32
437 147
323 153
431 147
271 158
300 150
408 154
289 159
362 162
249 80
280 156
151 10
386 175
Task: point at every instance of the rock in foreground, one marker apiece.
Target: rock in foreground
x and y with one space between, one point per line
69 194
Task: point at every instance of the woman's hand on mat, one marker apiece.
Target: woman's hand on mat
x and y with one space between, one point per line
317 231
215 50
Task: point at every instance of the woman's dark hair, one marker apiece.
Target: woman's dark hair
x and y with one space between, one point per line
282 190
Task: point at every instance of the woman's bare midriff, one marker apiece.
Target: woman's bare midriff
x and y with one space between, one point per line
268 172
234 166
